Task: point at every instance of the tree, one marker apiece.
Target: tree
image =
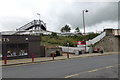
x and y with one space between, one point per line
77 30
54 34
66 28
62 29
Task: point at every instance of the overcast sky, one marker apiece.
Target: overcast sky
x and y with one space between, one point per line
57 13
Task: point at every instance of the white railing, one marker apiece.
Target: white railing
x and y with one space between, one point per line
73 49
96 39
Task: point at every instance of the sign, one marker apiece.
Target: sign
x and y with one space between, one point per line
81 43
4 39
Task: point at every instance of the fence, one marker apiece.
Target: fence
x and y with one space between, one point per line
73 49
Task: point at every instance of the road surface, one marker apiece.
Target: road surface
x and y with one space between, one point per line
90 67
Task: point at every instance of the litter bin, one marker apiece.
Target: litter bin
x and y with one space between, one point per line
90 49
76 52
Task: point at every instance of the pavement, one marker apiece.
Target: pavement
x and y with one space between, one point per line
90 67
46 59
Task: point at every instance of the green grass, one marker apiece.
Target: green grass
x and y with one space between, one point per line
62 40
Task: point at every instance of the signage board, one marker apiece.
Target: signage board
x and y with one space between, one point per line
81 43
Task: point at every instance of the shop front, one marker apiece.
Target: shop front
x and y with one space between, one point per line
21 46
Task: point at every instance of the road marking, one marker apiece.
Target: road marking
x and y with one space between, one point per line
13 65
93 70
71 75
48 62
34 63
109 67
44 62
53 61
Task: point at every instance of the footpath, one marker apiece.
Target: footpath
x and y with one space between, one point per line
46 59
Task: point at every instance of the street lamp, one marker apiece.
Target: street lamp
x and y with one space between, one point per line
84 19
84 25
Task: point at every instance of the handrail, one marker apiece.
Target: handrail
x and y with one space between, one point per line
96 39
32 23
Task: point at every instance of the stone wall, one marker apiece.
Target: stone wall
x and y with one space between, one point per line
109 43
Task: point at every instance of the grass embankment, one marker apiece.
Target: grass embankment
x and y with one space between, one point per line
63 40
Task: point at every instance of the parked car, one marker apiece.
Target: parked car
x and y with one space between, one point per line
98 50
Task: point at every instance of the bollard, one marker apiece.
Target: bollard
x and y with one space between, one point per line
67 55
5 59
53 56
33 57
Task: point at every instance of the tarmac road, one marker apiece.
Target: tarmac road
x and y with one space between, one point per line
90 67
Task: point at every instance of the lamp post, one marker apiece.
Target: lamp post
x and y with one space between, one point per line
84 18
84 24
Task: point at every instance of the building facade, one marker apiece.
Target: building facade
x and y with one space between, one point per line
21 45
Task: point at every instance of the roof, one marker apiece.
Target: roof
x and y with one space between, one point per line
53 47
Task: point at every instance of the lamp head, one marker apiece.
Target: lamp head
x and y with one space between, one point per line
86 10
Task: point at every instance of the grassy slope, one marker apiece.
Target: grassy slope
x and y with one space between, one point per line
62 41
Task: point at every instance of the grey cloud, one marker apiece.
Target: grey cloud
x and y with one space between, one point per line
61 13
11 23
108 13
72 13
